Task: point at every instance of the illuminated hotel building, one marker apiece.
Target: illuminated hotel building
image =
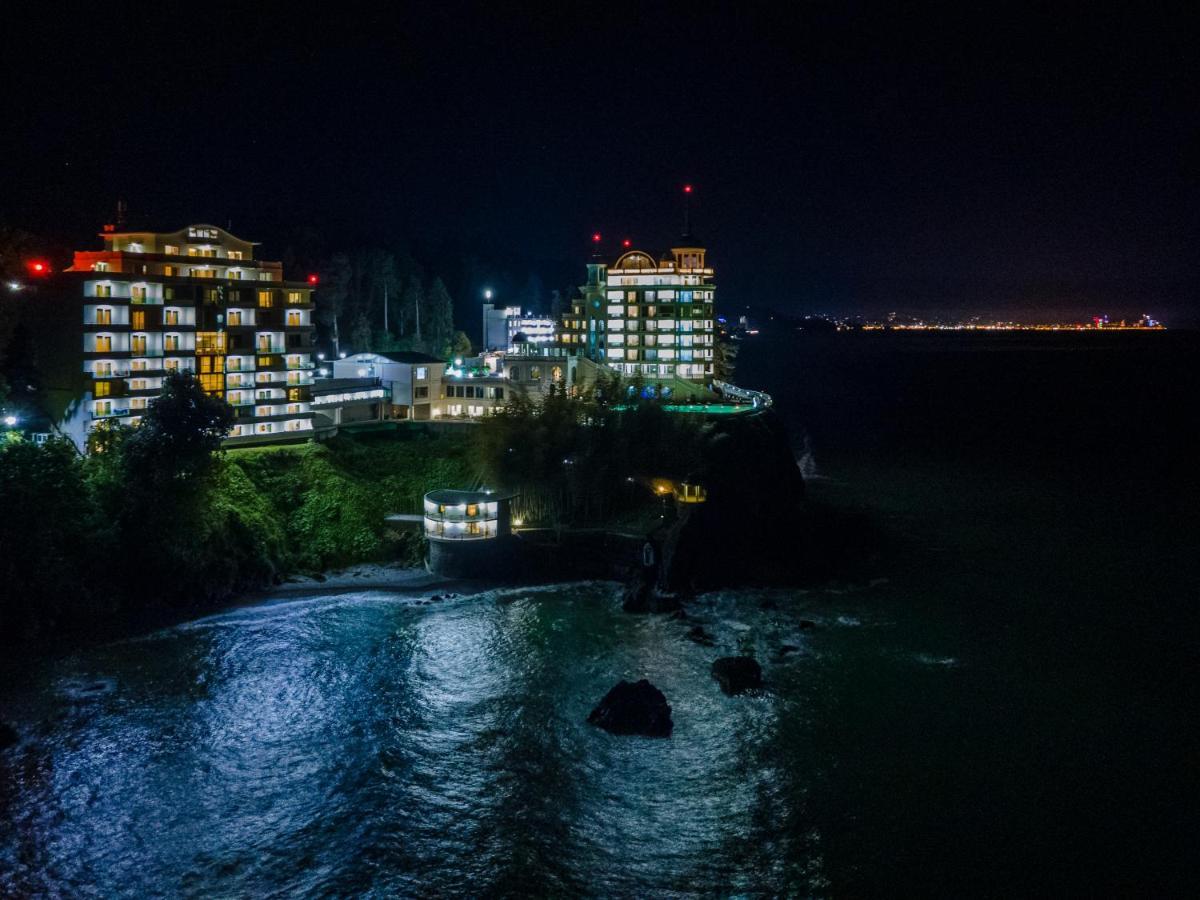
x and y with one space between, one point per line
195 300
647 317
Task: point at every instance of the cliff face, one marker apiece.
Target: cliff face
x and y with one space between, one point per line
749 531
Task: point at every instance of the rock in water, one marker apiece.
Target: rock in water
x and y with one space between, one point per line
698 635
634 707
737 673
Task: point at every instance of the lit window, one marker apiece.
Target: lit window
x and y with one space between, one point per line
100 267
422 373
266 299
170 250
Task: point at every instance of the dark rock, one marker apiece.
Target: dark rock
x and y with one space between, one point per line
8 736
640 596
807 625
785 649
634 707
700 636
436 598
318 577
736 674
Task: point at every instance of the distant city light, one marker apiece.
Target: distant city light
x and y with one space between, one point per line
596 238
14 285
687 188
627 243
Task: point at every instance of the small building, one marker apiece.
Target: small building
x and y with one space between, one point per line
412 380
469 533
347 401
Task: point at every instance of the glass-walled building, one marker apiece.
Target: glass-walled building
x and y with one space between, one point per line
195 300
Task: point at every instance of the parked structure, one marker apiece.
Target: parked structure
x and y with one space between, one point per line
469 533
194 300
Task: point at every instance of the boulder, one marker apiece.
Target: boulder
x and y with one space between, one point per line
634 707
641 596
698 635
8 736
736 674
785 649
806 625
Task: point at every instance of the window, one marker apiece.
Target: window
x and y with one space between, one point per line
535 373
264 276
104 408
171 317
212 384
138 293
104 343
236 254
293 319
233 295
171 343
171 365
137 344
422 373
295 297
100 267
266 299
212 295
204 273
170 249
210 342
170 270
104 290
102 388
421 393
104 316
295 394
168 293
235 317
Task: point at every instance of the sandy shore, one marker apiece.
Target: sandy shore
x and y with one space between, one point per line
370 577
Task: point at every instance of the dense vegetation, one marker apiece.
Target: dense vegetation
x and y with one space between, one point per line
593 460
158 520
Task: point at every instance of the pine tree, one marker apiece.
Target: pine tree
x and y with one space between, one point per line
440 320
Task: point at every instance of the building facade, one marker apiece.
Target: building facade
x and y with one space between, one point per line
646 317
502 324
413 381
194 300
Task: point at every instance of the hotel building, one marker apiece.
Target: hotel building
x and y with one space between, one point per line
194 300
647 318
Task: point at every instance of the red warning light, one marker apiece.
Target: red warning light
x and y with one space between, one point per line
687 188
627 243
38 267
596 238
313 279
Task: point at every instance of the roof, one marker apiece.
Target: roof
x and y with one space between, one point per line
449 496
328 385
405 356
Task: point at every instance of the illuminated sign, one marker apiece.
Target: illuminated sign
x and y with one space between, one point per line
202 233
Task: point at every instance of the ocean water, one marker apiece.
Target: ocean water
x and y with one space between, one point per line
1002 710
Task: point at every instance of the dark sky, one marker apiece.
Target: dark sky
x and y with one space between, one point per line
845 158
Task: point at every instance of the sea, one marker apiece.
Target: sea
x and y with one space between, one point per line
1004 707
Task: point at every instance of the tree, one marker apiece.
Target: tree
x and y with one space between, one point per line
414 299
360 337
440 321
332 294
179 434
461 346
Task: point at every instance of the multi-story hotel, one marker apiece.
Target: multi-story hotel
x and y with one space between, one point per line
647 319
194 300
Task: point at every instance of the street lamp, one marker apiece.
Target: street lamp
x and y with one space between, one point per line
487 294
11 421
320 356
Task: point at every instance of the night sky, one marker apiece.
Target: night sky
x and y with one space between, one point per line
845 160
